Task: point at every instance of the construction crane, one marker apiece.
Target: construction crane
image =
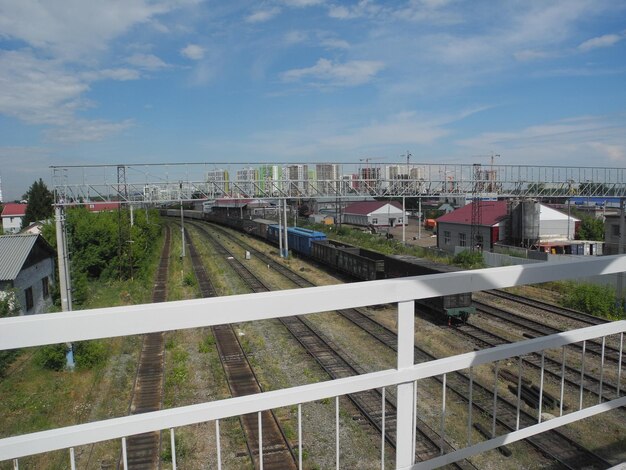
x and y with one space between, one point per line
369 159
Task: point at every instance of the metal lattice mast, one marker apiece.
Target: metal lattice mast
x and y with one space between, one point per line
475 236
122 190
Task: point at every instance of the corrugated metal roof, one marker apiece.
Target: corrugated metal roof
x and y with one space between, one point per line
367 207
492 213
14 249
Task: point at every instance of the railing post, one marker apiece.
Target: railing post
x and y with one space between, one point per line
405 430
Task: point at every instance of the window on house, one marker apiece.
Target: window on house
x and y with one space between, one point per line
374 220
446 237
29 298
462 241
615 230
45 287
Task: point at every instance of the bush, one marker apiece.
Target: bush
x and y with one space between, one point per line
87 355
469 260
90 354
189 279
51 357
593 299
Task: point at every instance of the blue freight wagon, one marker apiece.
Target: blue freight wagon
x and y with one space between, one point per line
299 238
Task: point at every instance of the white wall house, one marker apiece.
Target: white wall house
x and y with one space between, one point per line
375 213
12 216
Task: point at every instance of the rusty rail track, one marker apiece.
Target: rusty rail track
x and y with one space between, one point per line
143 451
553 444
336 363
276 450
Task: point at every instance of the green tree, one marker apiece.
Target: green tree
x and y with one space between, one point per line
590 229
593 299
40 200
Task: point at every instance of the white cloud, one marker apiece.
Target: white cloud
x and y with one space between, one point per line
401 129
262 16
530 54
82 130
38 91
355 72
302 3
330 43
146 61
193 52
601 41
365 8
75 28
63 44
295 37
572 142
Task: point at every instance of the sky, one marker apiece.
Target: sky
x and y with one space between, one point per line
538 82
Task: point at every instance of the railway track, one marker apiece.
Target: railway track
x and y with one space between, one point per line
338 364
552 368
548 307
609 353
143 450
276 450
553 444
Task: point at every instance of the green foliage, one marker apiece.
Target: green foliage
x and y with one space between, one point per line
469 260
593 299
182 448
207 344
189 279
590 229
51 357
40 200
97 252
87 355
90 354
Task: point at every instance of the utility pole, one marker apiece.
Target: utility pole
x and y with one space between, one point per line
65 283
182 220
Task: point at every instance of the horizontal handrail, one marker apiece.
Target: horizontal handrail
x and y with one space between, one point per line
71 436
36 330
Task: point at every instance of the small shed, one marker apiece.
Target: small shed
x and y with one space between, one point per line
27 268
374 213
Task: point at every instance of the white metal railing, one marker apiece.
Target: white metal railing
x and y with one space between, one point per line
37 330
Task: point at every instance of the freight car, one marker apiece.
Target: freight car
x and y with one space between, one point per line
458 307
348 259
355 261
299 239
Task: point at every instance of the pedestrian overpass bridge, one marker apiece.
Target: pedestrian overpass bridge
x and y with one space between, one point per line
405 378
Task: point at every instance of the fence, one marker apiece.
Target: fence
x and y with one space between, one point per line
38 330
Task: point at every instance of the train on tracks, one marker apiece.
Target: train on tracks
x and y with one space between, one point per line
354 261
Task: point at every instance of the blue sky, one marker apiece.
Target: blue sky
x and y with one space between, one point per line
135 81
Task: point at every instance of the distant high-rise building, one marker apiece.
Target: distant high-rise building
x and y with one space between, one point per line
327 178
369 179
246 181
269 179
217 183
298 179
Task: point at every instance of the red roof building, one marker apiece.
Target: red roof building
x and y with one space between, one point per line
12 215
454 228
